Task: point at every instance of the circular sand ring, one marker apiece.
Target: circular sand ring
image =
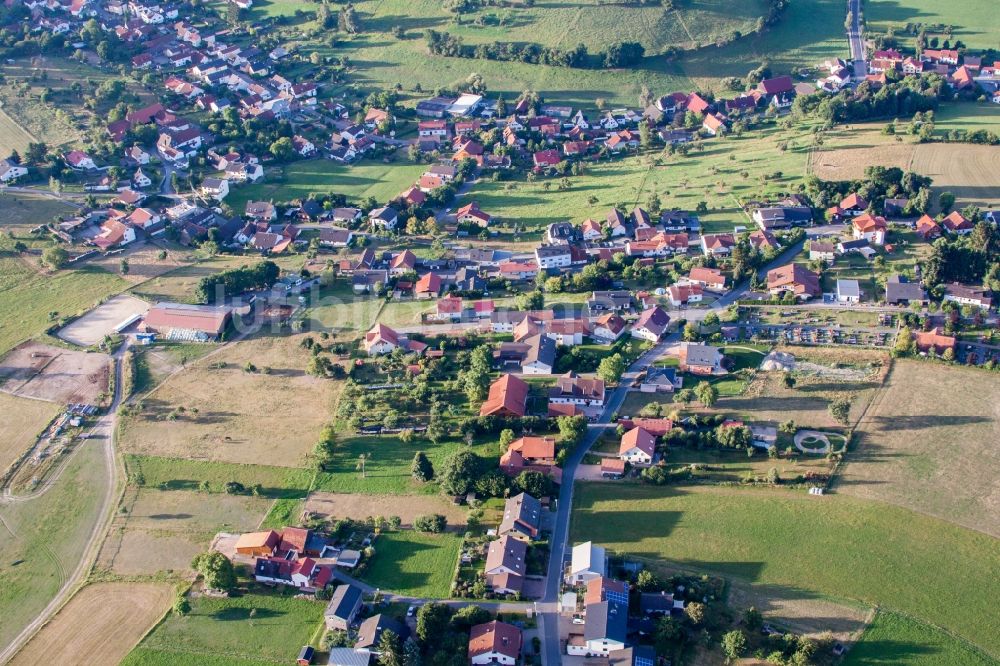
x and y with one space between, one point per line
813 436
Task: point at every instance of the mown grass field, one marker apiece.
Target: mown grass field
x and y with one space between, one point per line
21 212
46 536
357 181
836 546
12 136
220 632
975 23
178 474
179 284
415 564
722 174
928 443
896 639
23 421
28 298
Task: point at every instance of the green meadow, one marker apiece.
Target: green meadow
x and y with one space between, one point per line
833 546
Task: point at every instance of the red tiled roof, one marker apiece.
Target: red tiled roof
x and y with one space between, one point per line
508 395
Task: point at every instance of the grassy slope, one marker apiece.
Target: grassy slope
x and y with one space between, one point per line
221 632
834 546
48 534
27 297
976 23
177 474
23 421
414 564
896 639
679 181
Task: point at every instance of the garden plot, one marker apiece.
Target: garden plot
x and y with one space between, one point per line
92 327
44 372
407 507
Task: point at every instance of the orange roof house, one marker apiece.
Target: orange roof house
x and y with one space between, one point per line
257 544
508 396
928 228
933 340
494 642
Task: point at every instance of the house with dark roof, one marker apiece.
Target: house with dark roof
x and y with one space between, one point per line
343 607
604 632
371 630
651 324
900 291
522 517
575 390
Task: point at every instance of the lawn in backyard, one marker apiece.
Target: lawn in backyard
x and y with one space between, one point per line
893 638
870 552
32 302
304 177
46 536
414 564
257 628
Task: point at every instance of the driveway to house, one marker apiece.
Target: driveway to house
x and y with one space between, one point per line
104 430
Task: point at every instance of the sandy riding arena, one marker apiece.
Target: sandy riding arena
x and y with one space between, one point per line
92 327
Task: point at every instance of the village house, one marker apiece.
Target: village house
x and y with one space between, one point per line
661 380
11 171
380 340
638 447
403 263
933 341
302 573
793 279
575 390
604 633
472 214
214 188
700 359
587 562
848 291
384 218
871 228
967 295
709 278
506 565
371 630
567 332
494 643
508 396
900 291
343 608
608 328
956 223
680 295
717 244
822 251
927 228
651 324
522 518
531 453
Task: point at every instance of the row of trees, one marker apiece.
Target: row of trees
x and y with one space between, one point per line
619 54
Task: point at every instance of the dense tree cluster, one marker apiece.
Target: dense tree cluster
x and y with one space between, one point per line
619 54
911 95
236 281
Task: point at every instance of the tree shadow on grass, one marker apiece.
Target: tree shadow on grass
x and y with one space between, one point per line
243 614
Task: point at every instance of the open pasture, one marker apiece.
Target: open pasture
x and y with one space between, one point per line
99 625
45 537
92 327
32 302
360 506
216 410
23 420
893 638
834 546
13 136
165 529
179 284
721 173
44 372
928 443
974 23
144 262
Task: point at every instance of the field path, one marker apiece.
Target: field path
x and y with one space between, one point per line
107 429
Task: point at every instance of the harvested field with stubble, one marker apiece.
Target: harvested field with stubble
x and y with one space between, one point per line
407 507
100 624
929 443
970 172
23 420
44 372
165 529
215 410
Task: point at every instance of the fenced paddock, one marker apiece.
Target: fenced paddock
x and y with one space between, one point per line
92 327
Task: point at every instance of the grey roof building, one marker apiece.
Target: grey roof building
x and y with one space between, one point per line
522 516
343 607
